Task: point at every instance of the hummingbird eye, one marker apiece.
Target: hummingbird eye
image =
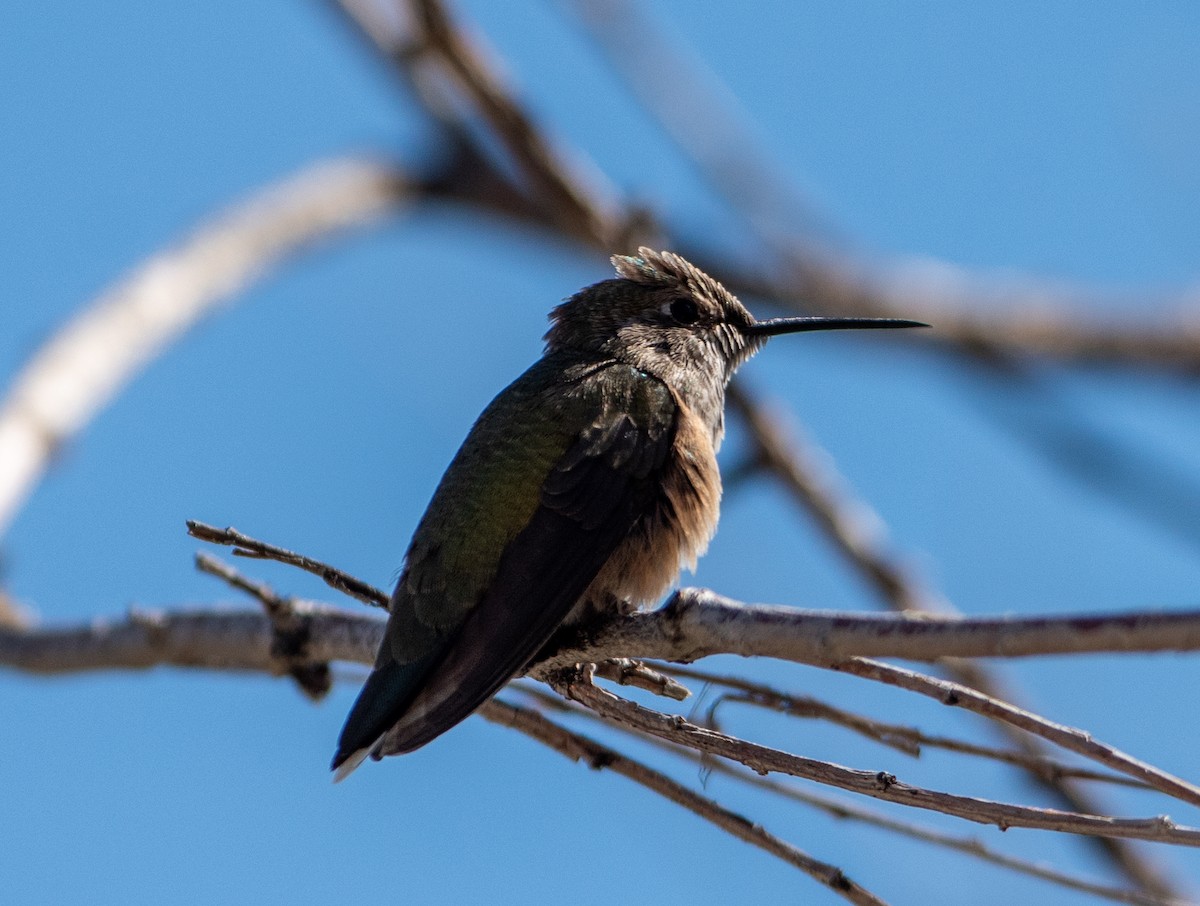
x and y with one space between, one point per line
684 311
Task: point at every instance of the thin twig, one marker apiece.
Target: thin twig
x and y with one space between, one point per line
292 631
629 672
972 846
911 740
1070 738
876 784
598 757
842 809
903 738
245 546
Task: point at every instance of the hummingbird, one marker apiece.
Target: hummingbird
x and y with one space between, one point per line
583 489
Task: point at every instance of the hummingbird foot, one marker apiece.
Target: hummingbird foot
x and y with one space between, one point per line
602 606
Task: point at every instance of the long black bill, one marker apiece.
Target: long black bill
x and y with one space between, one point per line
774 326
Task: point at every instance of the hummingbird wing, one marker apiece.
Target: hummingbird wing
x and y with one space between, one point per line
587 465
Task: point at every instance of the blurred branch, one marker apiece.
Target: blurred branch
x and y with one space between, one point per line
446 68
978 315
704 119
1034 404
12 614
858 532
811 478
103 347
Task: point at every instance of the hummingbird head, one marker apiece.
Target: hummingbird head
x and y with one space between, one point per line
668 318
661 314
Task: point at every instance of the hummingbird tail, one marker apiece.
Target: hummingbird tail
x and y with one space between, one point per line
346 766
388 692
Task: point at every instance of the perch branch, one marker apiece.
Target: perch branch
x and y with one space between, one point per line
210 638
697 622
246 641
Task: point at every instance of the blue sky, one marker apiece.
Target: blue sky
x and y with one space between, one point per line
1044 138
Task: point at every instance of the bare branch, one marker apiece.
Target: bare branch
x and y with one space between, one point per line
12 614
291 632
973 312
972 846
599 757
703 118
628 672
697 622
663 634
213 639
1070 738
842 809
879 784
244 641
987 317
100 350
907 739
245 546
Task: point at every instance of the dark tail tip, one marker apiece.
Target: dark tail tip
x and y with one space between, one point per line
386 694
